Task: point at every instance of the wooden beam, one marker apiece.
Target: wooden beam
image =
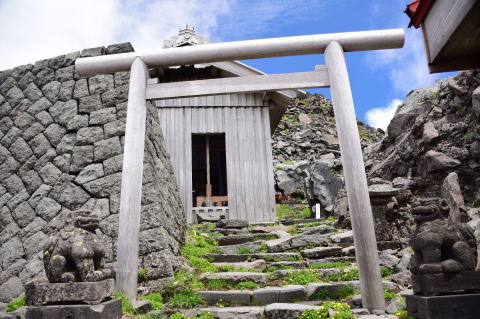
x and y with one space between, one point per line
242 50
355 180
132 173
242 84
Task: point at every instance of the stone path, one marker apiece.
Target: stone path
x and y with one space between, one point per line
278 271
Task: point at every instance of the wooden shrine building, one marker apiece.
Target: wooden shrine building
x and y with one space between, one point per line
220 145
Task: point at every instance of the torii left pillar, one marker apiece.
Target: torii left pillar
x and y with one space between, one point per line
132 173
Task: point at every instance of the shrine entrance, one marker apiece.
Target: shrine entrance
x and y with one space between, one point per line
209 170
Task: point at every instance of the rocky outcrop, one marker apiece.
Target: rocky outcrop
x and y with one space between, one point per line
61 146
306 150
434 132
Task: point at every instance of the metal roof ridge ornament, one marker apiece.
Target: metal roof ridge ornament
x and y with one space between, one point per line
186 36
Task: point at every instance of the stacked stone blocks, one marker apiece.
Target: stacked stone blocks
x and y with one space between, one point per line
61 149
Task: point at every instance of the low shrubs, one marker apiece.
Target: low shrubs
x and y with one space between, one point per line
17 303
341 311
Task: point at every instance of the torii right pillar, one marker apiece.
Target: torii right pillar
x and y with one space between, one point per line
355 179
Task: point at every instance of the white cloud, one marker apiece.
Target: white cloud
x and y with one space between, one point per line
381 117
32 30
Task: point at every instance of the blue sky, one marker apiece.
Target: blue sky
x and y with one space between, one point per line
380 79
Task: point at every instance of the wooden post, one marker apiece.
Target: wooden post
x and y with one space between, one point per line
132 173
355 180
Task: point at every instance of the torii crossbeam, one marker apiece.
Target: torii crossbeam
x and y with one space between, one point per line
334 75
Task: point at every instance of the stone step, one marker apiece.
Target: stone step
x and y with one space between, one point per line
301 221
321 252
268 229
232 231
260 296
219 313
293 264
235 249
317 236
286 310
240 239
282 273
244 257
236 277
256 264
330 260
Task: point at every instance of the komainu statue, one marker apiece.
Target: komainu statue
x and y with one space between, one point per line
76 254
440 246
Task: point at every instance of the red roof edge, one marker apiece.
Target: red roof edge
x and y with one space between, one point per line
417 10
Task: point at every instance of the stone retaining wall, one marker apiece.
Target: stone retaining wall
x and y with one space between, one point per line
61 146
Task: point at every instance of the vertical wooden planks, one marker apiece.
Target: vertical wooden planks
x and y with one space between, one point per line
269 161
231 153
261 178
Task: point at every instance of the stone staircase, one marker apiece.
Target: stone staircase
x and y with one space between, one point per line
277 271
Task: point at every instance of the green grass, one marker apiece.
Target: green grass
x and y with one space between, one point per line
15 304
246 285
155 299
340 294
337 264
389 294
386 271
202 264
217 284
244 250
184 298
342 311
143 275
127 306
349 275
302 277
263 248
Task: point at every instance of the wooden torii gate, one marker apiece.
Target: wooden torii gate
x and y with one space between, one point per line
333 75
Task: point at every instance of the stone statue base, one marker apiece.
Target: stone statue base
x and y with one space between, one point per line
468 281
37 294
106 310
462 306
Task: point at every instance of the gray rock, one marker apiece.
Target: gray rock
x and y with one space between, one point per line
286 310
90 173
24 120
33 93
13 184
20 150
50 90
430 133
81 89
103 116
69 195
100 83
299 241
10 252
44 118
37 196
39 145
107 310
116 128
90 103
32 131
89 135
315 288
113 164
452 193
388 260
12 270
325 183
102 208
380 316
34 244
42 161
63 112
11 289
37 293
34 268
47 208
67 143
321 252
236 277
234 297
50 174
345 237
11 136
92 52
65 74
14 96
437 161
211 216
119 48
36 225
66 91
107 148
23 214
54 133
104 186
77 122
232 223
82 156
476 101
